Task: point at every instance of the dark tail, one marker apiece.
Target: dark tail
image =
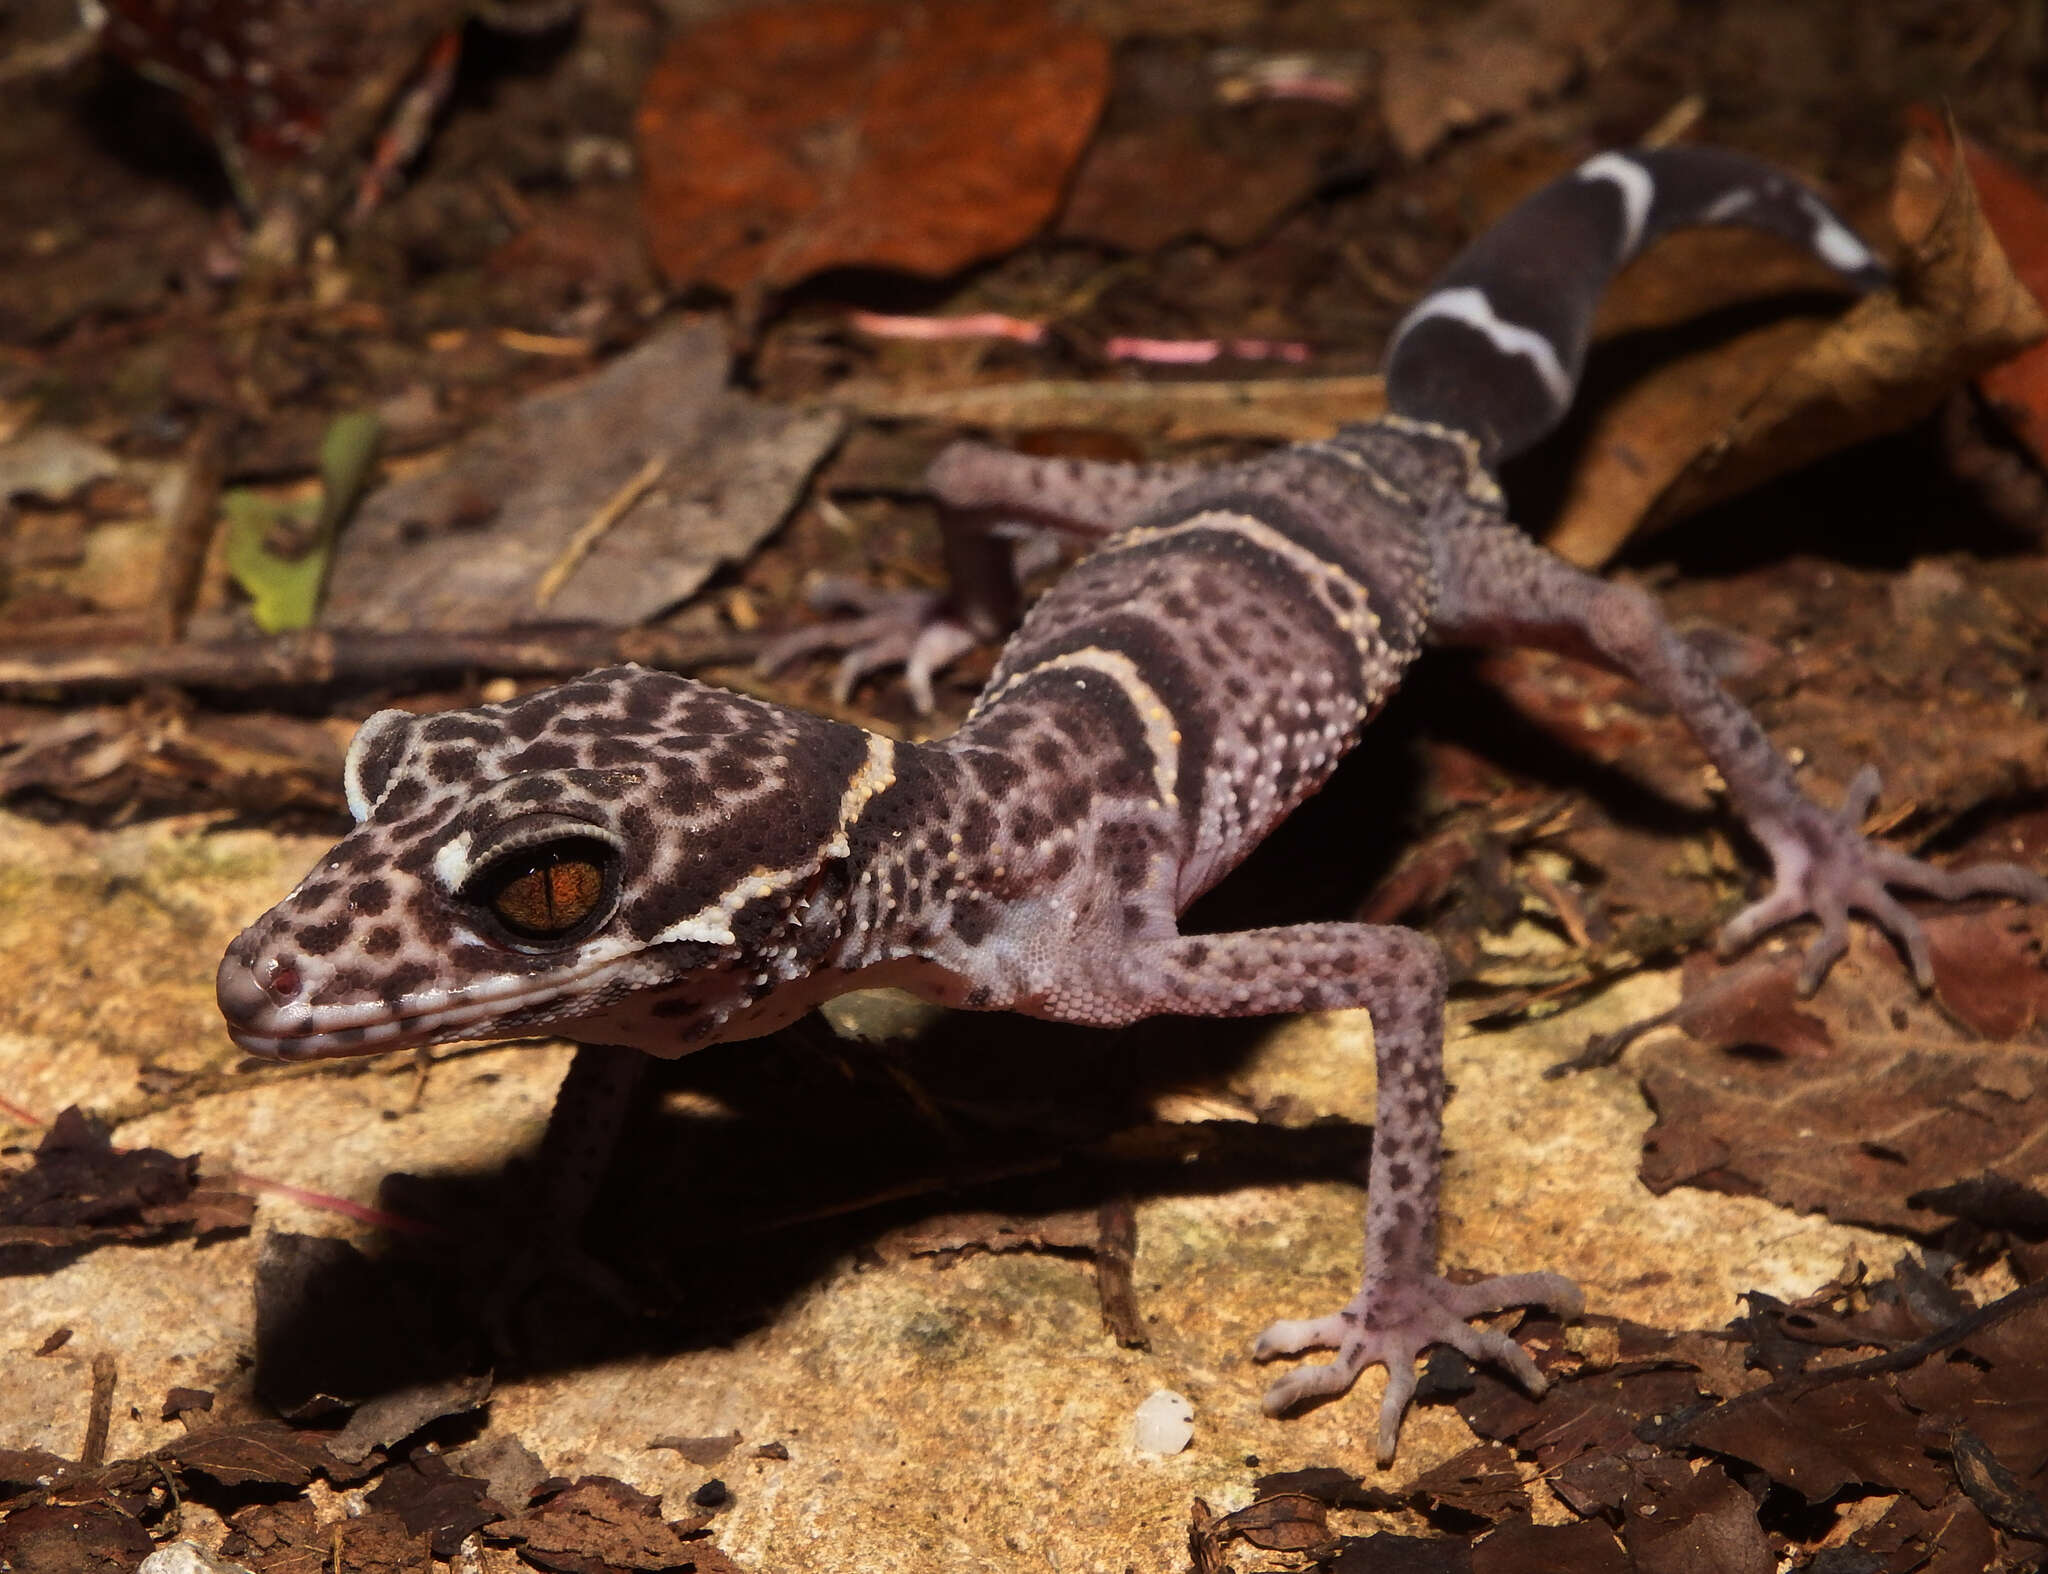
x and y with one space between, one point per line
1496 348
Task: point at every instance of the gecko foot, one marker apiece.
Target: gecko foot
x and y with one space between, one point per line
1391 1324
914 629
1824 867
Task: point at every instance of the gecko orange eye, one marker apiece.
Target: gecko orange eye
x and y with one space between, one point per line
548 892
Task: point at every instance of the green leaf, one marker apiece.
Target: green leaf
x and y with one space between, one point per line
284 586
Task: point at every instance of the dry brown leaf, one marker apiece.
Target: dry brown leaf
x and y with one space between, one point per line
2019 217
470 544
1454 73
82 1192
1685 1521
1710 426
782 140
1819 1443
1888 1101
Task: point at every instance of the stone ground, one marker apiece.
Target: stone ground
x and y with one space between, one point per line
964 1417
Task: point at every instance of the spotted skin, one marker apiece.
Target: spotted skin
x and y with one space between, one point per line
1155 714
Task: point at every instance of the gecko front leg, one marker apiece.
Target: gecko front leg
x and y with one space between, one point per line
591 1108
996 510
1403 1305
1501 588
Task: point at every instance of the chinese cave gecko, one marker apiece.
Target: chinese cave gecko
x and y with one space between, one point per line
638 860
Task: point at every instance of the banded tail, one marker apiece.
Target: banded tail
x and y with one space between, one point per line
1496 347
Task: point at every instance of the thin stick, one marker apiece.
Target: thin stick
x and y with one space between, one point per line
93 1452
1285 409
593 530
321 656
1798 1384
191 525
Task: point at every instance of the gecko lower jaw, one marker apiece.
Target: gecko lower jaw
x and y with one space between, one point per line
271 1028
480 1020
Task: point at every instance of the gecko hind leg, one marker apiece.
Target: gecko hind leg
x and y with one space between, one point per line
1500 588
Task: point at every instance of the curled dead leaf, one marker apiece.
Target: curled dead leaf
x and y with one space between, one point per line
1714 425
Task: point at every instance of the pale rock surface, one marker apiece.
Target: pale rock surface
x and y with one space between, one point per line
971 1417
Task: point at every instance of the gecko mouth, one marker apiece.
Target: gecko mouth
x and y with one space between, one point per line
266 1017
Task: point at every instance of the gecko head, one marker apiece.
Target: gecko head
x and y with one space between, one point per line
631 847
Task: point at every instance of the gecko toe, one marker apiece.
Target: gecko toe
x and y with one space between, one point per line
1390 1324
1552 1291
1292 1335
1889 915
1997 879
1825 951
1861 797
876 629
937 646
1401 1380
1782 905
888 649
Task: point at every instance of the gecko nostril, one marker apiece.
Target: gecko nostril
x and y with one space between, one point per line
249 990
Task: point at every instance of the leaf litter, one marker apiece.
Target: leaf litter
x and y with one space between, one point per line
1915 1113
1719 423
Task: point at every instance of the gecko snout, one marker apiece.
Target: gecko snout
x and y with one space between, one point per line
253 988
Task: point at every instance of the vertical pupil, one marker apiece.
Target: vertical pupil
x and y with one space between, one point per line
572 890
550 892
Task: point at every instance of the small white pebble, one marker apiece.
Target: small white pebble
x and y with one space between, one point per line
185 1557
1163 1424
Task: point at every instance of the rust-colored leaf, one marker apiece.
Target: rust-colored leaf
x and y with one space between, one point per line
782 140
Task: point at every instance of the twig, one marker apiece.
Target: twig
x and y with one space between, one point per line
359 659
1283 409
189 530
327 1202
93 1452
1675 122
558 345
1199 352
1116 1251
593 529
